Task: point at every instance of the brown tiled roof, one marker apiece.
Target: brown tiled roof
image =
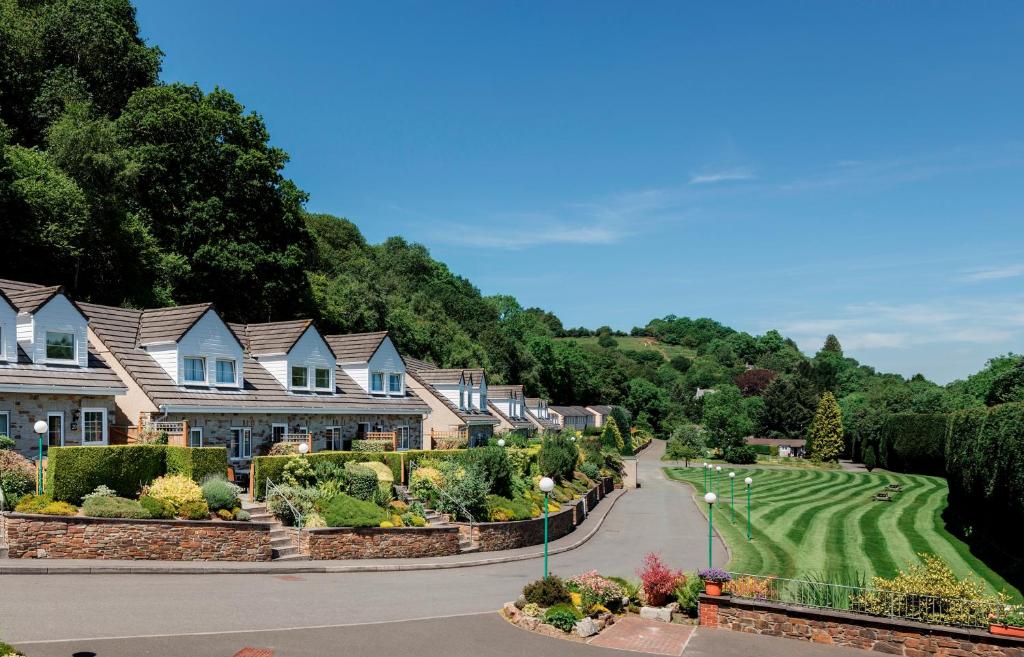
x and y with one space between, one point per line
356 347
417 365
468 416
169 324
534 401
440 376
512 390
569 411
26 373
517 423
791 442
118 329
603 410
271 337
539 422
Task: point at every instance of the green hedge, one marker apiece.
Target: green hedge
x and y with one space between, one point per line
985 461
272 467
914 443
72 472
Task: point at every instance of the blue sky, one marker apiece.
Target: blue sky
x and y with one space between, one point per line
855 168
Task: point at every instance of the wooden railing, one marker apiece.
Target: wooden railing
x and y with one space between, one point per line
382 435
448 439
298 438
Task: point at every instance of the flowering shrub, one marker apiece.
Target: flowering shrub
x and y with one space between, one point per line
1012 615
715 575
595 590
759 588
532 609
659 581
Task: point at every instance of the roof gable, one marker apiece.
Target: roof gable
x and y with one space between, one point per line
274 337
355 347
172 324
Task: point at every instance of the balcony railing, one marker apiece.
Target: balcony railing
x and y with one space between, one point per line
448 439
298 438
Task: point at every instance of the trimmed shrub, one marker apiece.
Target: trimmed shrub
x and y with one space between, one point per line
177 490
347 511
563 616
740 455
44 505
385 478
502 509
915 443
360 445
558 456
197 463
241 515
362 483
6 443
159 509
194 510
547 592
220 494
110 506
303 499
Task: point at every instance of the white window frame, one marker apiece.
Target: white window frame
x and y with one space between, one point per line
56 414
216 372
7 420
401 383
3 345
74 347
105 437
242 433
383 381
184 371
330 378
291 377
192 431
332 438
275 425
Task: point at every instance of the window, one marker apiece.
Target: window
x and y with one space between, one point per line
362 429
94 425
377 382
241 442
277 432
195 437
300 377
195 369
60 346
225 371
55 429
395 383
322 378
5 423
333 438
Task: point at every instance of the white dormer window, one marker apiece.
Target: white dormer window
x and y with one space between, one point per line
322 378
377 382
300 378
195 369
225 372
60 346
395 383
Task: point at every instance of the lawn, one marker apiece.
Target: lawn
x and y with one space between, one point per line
636 343
824 523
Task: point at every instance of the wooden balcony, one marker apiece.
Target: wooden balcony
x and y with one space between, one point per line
448 439
298 438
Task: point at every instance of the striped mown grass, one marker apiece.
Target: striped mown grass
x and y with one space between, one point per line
814 522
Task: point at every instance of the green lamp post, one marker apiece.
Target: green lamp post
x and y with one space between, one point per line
732 495
718 481
40 427
710 498
748 481
547 484
705 469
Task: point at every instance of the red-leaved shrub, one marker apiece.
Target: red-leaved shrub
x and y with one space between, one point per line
659 581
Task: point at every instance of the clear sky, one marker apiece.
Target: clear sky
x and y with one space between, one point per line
816 167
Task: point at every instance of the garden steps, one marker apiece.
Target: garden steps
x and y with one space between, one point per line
282 539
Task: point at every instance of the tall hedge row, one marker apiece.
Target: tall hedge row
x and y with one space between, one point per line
72 472
985 462
914 443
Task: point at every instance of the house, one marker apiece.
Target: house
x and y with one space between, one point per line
244 386
459 412
508 404
537 414
795 447
600 413
49 371
571 417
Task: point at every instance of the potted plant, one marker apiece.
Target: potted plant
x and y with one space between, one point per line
713 579
1008 621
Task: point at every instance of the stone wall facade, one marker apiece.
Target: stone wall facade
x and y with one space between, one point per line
378 542
494 536
32 536
884 635
23 410
216 427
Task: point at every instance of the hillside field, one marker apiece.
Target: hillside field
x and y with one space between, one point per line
824 522
638 343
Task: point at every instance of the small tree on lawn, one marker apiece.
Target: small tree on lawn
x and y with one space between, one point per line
826 437
687 442
611 436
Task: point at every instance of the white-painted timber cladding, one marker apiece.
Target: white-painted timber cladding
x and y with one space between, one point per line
479 393
166 356
449 391
58 314
8 332
211 338
311 351
277 366
386 359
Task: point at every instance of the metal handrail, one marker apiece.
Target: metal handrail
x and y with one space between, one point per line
472 521
271 486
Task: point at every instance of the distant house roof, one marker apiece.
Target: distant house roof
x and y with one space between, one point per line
272 337
416 365
119 329
540 422
170 324
569 411
534 401
600 409
439 376
515 391
779 442
430 376
356 347
517 423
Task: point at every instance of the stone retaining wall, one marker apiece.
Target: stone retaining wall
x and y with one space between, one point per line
493 536
378 542
31 536
890 636
592 497
609 484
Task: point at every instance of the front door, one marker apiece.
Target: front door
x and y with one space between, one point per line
402 438
55 429
277 432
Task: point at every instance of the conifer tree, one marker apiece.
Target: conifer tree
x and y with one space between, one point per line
826 437
611 436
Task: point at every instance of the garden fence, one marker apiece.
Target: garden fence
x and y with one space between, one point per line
936 610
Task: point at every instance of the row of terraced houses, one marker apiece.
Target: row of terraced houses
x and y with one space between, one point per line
101 375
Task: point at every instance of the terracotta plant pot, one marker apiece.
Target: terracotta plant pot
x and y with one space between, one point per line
713 588
1007 630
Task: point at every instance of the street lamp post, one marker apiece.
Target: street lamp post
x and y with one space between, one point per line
705 469
718 480
748 481
547 484
732 495
40 427
303 448
710 499
501 442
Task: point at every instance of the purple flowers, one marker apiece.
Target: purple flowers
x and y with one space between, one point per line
716 575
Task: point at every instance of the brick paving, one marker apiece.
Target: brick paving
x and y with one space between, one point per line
639 635
254 652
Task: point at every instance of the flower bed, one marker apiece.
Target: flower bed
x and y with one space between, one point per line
33 536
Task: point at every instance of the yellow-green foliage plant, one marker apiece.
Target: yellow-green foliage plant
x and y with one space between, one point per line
826 436
176 490
384 475
611 436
